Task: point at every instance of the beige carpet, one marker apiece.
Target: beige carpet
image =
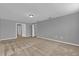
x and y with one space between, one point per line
36 47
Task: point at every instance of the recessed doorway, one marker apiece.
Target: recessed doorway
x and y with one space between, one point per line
19 30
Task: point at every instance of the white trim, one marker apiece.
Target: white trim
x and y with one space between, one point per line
58 41
33 30
8 38
24 30
16 28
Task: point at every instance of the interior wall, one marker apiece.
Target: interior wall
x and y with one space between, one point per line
23 30
0 28
64 28
28 29
8 29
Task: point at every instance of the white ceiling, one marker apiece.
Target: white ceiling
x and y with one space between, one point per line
41 11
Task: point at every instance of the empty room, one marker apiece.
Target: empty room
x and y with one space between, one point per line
39 29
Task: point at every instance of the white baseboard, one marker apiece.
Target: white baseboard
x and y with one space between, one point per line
8 38
58 41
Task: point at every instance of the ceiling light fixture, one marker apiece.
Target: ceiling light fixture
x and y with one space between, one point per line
31 15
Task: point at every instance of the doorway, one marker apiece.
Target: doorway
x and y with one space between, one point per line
19 30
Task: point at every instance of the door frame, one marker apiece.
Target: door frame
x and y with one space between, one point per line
16 28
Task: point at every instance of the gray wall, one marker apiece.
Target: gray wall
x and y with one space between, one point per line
28 29
8 29
64 28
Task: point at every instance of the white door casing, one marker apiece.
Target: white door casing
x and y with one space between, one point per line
33 30
23 30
